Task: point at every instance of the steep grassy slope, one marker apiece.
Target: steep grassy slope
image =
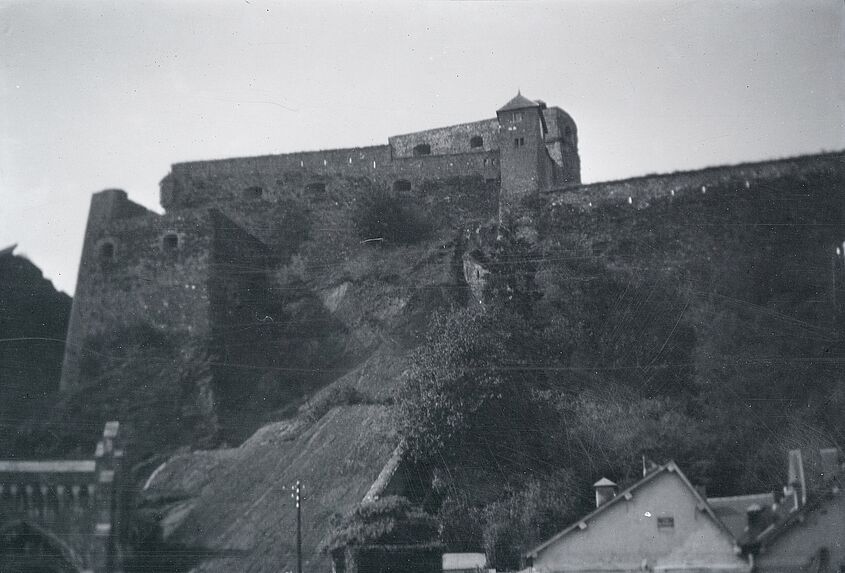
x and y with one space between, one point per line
231 510
340 295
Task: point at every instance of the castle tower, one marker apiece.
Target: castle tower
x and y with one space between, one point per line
525 163
99 250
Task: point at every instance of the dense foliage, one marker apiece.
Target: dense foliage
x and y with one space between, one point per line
162 398
391 520
33 321
575 370
382 218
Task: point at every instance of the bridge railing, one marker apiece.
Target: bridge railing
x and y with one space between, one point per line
76 501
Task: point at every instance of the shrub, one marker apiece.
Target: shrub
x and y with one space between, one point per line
391 520
383 219
343 395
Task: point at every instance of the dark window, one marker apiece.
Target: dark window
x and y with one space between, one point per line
316 187
106 252
170 242
519 142
422 149
253 193
665 522
401 185
517 116
476 141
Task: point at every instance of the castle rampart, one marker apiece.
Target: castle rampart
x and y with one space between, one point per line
306 176
402 165
163 271
472 137
756 235
641 190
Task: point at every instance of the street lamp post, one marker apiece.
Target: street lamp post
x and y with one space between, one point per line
296 495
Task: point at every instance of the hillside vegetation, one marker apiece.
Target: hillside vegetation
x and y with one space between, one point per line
706 329
701 327
33 322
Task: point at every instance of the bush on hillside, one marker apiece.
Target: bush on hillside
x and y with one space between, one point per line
341 395
575 366
384 219
162 399
391 520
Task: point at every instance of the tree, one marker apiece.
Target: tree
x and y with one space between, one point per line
384 219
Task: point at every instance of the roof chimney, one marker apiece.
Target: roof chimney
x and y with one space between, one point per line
755 516
605 491
830 464
797 483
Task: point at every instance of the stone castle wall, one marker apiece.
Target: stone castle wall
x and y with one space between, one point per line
130 275
197 272
760 235
643 190
306 175
452 151
452 140
194 274
238 286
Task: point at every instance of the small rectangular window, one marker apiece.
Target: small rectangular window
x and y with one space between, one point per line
665 522
170 242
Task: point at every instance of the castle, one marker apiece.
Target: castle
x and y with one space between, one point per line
203 267
184 270
761 243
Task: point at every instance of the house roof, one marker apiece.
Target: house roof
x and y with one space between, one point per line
733 511
788 519
670 467
604 482
519 101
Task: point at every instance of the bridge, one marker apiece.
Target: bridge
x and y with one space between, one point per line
63 516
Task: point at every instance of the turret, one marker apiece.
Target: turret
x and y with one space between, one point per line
526 165
522 149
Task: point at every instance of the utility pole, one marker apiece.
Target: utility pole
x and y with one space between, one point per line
296 495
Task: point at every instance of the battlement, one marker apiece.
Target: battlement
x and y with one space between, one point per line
639 192
467 149
306 176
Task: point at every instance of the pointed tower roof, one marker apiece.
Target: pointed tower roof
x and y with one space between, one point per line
519 102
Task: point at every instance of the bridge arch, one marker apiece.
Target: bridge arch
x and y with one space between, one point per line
28 548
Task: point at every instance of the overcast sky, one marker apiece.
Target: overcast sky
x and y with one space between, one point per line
96 95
